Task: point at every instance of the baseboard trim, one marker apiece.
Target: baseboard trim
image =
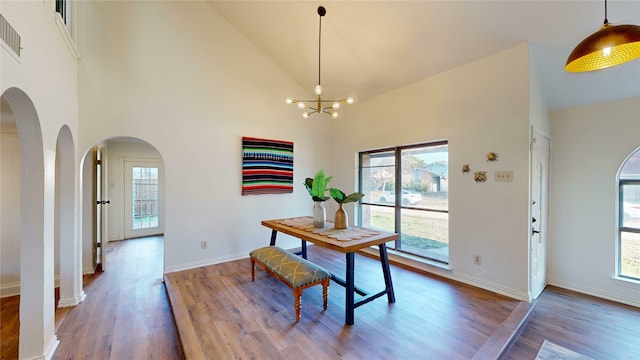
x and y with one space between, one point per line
10 289
205 262
449 274
597 293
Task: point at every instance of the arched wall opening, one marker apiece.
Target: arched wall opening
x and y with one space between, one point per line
68 247
115 219
36 202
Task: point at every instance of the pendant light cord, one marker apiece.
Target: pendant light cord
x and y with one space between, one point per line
319 46
606 21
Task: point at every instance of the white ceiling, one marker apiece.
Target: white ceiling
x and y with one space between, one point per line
371 47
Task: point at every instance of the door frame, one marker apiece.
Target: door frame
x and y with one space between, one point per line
542 224
127 199
100 210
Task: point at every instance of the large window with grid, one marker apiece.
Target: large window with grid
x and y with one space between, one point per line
629 218
406 191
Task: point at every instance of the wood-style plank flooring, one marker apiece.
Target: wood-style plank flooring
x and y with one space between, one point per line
591 326
432 318
127 316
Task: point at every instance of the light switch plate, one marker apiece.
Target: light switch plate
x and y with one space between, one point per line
504 176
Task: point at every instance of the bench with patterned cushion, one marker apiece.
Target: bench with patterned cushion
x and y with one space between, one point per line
294 271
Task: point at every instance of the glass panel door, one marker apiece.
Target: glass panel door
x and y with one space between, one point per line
143 199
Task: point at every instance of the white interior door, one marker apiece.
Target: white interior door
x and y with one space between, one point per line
143 199
100 213
540 154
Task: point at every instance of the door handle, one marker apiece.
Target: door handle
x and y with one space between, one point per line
533 232
103 202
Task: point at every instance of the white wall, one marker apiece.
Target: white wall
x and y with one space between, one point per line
45 74
590 143
538 110
9 214
179 77
479 108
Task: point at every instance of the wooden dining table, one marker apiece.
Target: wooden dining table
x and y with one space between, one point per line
346 241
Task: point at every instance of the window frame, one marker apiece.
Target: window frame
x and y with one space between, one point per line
621 224
398 206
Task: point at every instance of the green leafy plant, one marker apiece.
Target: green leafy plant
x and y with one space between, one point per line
342 198
317 186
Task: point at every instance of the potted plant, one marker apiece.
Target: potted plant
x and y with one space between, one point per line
317 188
341 221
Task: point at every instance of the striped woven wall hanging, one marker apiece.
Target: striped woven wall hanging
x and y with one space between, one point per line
267 166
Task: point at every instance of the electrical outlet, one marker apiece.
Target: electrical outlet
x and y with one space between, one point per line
203 244
504 176
477 259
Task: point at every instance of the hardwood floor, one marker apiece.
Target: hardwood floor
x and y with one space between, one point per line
588 325
127 316
232 317
9 327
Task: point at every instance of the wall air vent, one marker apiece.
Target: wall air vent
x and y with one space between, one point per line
9 35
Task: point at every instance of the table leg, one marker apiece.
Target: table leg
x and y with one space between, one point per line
273 238
350 289
304 249
387 273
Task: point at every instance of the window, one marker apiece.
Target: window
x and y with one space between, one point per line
406 191
629 218
145 197
65 8
61 8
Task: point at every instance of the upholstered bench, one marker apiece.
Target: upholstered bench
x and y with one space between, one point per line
294 271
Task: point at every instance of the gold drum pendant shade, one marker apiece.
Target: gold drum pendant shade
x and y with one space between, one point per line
611 45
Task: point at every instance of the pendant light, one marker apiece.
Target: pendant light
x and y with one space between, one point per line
611 45
328 107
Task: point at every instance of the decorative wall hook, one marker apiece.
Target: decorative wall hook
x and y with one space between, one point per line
492 156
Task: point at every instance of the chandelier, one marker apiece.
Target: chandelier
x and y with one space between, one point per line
611 45
319 105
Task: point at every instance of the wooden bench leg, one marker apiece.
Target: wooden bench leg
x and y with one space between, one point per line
297 293
253 269
325 287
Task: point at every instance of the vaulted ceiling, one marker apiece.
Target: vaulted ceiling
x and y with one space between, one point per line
371 47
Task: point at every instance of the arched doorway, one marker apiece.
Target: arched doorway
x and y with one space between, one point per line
113 172
68 246
36 229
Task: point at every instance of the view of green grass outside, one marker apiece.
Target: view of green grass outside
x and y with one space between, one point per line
422 232
630 255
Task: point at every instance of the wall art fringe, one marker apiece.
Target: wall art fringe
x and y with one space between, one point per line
267 166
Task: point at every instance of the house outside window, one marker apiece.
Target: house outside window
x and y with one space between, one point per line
406 191
628 249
